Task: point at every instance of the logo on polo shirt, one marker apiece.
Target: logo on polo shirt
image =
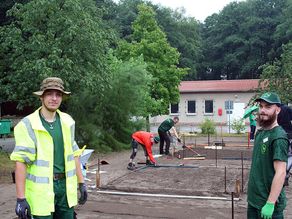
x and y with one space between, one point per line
263 148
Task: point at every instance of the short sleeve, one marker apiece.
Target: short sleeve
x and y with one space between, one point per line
280 149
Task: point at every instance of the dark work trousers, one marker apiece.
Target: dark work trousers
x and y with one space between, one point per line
135 145
252 131
254 213
164 137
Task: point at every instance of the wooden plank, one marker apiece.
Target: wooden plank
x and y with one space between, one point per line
194 158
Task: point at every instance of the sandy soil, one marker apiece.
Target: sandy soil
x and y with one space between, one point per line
199 181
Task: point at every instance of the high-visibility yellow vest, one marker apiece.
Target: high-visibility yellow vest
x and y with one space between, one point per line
34 147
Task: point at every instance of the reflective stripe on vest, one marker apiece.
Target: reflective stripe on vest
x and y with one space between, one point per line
72 128
75 147
29 130
26 159
70 157
37 179
41 163
71 173
25 149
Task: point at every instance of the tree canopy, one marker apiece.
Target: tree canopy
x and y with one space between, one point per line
124 61
52 38
150 41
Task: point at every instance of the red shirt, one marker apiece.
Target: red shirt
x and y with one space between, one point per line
146 140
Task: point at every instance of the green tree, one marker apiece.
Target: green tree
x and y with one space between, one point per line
149 41
278 75
283 33
127 98
182 33
52 38
107 121
239 39
4 7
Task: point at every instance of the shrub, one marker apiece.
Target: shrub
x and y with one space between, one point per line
208 127
238 125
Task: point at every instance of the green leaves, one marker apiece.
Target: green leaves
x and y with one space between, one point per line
278 75
150 42
53 38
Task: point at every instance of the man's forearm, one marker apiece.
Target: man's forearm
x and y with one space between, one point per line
20 175
278 182
78 170
175 133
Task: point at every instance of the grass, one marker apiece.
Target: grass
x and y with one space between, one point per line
6 167
5 162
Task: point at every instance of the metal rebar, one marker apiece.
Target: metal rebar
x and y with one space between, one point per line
242 172
225 180
216 154
175 166
232 205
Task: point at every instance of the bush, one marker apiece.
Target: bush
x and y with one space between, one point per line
238 125
208 127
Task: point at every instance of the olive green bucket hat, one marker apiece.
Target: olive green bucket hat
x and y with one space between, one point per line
51 83
270 97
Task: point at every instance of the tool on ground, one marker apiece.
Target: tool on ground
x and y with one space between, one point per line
175 166
197 155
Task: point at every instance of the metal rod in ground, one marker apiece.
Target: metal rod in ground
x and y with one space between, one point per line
242 172
225 179
216 154
166 195
232 205
175 166
183 153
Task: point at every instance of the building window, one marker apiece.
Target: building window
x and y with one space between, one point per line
208 106
191 104
229 105
174 108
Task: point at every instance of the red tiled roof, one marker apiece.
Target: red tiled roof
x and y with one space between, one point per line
219 86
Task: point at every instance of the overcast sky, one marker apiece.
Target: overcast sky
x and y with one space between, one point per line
200 9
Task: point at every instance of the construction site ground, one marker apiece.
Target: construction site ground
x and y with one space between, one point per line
177 188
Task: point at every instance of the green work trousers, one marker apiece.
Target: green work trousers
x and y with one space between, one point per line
254 213
62 210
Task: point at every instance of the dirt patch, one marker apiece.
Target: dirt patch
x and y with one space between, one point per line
205 179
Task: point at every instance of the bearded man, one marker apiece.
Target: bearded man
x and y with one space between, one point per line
266 197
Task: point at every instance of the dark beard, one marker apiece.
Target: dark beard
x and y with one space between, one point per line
267 123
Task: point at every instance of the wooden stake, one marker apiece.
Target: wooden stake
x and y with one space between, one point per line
98 174
237 188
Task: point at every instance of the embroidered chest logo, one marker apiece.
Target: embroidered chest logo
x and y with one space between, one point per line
263 148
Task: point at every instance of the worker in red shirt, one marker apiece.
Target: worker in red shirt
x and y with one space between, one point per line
146 140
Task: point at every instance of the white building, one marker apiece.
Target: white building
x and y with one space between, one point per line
219 100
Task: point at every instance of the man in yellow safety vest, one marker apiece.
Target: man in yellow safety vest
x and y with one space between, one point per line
47 169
